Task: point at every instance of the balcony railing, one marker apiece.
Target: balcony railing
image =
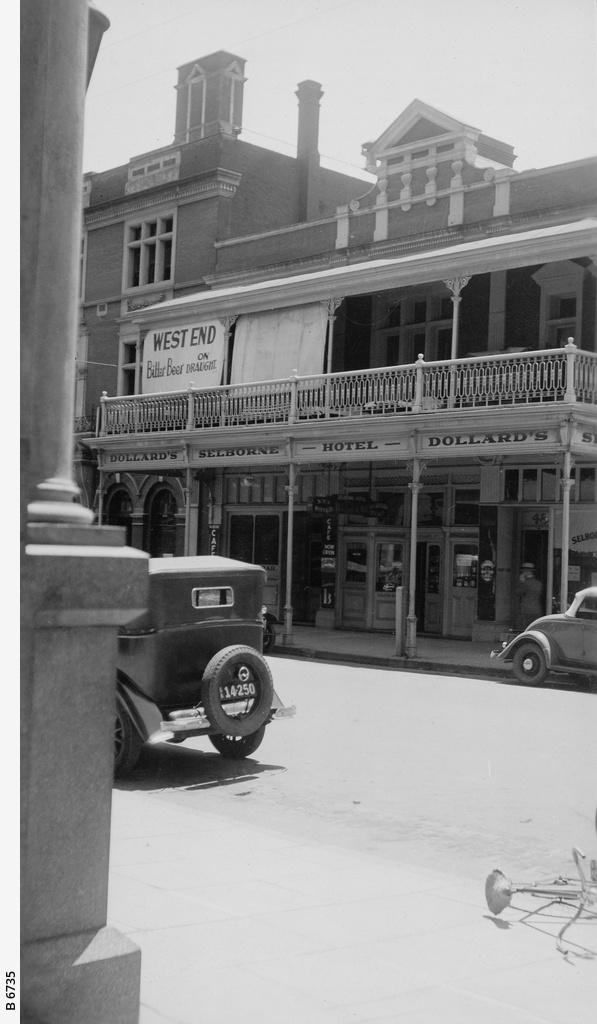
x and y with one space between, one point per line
510 379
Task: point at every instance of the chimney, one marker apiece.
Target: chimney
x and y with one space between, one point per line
209 97
309 94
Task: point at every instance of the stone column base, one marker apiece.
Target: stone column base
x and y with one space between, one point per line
91 977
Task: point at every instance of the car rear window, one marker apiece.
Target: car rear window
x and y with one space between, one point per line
212 597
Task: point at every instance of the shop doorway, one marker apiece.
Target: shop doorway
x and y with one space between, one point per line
462 595
307 546
160 524
372 567
535 549
118 512
255 538
428 594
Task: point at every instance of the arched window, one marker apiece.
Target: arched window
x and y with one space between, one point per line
118 511
160 523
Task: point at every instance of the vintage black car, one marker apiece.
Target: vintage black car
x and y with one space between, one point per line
192 664
556 643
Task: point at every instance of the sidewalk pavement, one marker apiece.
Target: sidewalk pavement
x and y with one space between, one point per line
378 650
238 922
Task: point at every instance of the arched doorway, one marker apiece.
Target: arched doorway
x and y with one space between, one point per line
160 523
118 511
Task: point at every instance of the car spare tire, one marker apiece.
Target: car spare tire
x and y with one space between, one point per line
237 690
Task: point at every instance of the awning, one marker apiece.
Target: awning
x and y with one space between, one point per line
480 256
278 343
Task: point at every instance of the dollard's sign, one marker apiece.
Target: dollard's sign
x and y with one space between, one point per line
189 353
488 439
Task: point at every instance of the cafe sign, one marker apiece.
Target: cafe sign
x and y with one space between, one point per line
174 358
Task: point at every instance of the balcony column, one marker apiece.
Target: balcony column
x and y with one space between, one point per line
187 505
456 284
332 305
410 648
228 323
291 492
100 494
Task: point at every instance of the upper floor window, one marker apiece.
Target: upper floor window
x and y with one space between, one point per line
417 324
149 251
561 287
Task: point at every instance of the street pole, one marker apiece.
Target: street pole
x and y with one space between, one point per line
411 619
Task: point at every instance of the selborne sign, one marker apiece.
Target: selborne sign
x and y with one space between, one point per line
187 354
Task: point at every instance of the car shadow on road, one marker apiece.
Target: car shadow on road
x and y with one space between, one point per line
578 684
170 766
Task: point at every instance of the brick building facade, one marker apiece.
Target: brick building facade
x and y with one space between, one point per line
401 373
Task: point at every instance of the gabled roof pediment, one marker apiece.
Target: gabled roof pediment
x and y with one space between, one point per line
421 123
418 122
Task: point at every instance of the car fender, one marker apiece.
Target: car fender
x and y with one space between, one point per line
143 713
531 634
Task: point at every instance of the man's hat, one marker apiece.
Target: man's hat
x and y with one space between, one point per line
527 565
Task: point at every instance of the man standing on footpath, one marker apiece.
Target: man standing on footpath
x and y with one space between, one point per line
529 597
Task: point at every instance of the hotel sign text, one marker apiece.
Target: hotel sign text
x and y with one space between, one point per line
506 437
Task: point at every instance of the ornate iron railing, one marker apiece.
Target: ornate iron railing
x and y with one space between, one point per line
550 375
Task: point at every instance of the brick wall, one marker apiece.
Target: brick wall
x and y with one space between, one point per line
104 262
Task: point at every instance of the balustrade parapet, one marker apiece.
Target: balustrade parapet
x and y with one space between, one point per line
565 374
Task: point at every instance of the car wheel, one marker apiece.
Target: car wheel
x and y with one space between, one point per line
237 690
529 664
236 747
127 742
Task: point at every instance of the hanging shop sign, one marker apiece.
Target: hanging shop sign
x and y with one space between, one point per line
187 354
328 562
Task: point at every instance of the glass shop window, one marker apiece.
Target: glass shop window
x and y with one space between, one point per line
255 539
466 507
431 508
549 482
390 508
529 485
356 564
388 567
511 485
586 484
464 567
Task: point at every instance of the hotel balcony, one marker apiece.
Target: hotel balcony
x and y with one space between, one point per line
509 381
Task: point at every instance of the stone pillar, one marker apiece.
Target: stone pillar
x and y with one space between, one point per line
78 581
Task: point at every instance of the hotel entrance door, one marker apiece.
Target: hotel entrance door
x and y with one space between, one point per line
372 567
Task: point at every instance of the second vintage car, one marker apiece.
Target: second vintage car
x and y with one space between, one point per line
192 664
566 642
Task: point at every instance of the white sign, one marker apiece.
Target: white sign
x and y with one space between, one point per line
175 357
583 529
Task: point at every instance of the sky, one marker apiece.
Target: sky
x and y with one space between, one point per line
523 71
